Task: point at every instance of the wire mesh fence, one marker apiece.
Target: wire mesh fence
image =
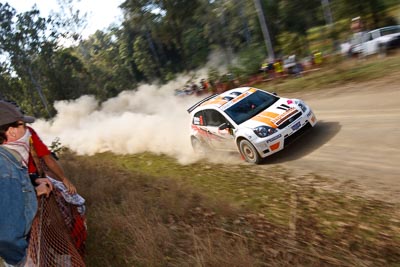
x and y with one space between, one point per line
58 234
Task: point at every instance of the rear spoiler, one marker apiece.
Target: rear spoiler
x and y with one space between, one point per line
200 102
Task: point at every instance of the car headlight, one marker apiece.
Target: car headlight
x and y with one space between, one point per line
302 105
264 131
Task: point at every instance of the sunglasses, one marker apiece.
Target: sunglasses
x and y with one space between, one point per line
20 124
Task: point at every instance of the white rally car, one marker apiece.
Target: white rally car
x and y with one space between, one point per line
253 121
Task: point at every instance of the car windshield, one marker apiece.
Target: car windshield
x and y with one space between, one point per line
250 106
389 30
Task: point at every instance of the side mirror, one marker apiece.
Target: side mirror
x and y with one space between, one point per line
224 126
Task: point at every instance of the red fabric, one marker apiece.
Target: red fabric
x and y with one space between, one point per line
79 233
75 222
40 147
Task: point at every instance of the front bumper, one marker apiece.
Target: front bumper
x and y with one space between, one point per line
282 138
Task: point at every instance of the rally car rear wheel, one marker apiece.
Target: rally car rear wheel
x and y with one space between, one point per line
249 152
198 146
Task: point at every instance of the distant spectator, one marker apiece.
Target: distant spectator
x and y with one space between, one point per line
317 57
264 67
278 67
270 69
203 84
356 25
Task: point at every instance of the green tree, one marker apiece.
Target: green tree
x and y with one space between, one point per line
297 15
65 76
144 60
22 42
373 12
293 43
30 45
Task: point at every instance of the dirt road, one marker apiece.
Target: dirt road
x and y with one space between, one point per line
357 137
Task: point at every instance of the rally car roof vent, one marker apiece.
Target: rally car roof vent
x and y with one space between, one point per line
201 102
284 107
228 98
235 93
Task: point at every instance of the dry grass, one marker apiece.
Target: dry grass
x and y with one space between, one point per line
162 219
135 220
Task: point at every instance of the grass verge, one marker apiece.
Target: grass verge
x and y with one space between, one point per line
148 210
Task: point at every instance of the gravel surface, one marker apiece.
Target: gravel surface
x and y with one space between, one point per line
357 138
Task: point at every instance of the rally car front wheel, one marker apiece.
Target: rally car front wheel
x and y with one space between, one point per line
249 152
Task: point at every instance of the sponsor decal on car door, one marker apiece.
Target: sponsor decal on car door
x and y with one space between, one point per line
221 139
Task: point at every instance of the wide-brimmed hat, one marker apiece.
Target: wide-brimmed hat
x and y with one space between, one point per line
10 113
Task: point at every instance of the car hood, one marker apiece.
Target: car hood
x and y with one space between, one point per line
274 116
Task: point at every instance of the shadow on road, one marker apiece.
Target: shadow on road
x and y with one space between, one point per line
307 143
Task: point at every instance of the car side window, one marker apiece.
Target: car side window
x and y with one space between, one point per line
198 118
375 35
213 118
367 37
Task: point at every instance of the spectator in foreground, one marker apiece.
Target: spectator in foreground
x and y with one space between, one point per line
18 197
42 162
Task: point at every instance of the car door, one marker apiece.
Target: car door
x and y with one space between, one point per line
217 138
371 44
199 127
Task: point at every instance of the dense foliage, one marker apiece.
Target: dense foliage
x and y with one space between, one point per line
158 39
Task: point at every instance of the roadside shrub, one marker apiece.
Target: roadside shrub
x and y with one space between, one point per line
249 61
292 43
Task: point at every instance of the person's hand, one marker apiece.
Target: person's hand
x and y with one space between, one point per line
70 187
42 189
45 181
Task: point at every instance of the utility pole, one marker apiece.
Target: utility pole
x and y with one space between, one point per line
327 12
264 28
227 44
329 21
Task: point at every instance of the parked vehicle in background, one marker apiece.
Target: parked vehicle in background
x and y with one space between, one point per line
380 40
252 121
289 63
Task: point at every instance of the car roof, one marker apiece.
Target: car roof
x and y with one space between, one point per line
218 100
393 27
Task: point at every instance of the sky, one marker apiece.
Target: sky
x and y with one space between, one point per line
100 14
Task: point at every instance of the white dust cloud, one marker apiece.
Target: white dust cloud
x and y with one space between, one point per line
149 119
